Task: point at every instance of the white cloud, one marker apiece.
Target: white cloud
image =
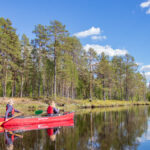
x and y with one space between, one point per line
98 37
139 63
146 5
106 49
145 68
147 75
145 136
89 32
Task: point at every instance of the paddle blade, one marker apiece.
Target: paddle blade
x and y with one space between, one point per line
1 123
1 129
38 112
15 134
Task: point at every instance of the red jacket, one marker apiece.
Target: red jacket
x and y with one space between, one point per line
50 110
50 132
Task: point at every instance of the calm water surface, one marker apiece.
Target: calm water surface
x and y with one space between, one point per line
128 129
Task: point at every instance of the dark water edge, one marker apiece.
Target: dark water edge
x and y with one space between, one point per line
127 129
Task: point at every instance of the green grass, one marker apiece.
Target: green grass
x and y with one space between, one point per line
29 105
25 105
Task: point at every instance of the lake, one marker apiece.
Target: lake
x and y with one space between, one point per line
116 129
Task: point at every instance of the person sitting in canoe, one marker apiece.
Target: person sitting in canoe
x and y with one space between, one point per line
10 110
52 109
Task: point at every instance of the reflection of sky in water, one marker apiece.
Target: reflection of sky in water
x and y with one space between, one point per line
93 143
144 140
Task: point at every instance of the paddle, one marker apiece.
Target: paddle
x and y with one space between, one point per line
14 133
1 123
6 130
1 128
38 112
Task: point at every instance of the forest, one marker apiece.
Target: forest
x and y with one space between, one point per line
55 64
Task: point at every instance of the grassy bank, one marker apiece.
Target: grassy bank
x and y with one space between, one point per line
29 106
26 105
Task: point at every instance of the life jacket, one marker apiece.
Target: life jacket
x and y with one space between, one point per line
12 137
12 112
50 132
50 110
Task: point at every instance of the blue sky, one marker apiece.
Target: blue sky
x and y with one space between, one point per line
114 26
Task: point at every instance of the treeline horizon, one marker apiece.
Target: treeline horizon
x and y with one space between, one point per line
55 64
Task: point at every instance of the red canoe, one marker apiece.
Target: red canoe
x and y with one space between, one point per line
23 121
38 126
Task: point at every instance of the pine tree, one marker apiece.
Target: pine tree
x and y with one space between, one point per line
92 60
9 54
130 68
104 73
56 33
40 46
26 66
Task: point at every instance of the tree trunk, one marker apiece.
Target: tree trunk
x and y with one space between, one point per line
104 93
39 87
110 93
67 92
126 90
44 88
91 80
21 88
4 88
55 74
14 85
72 91
63 89
4 82
91 86
12 90
33 91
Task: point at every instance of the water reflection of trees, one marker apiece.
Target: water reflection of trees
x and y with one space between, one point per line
117 130
94 131
108 130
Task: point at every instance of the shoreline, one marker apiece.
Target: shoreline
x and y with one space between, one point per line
30 105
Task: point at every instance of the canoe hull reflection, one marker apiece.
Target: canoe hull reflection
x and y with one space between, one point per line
23 121
38 126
